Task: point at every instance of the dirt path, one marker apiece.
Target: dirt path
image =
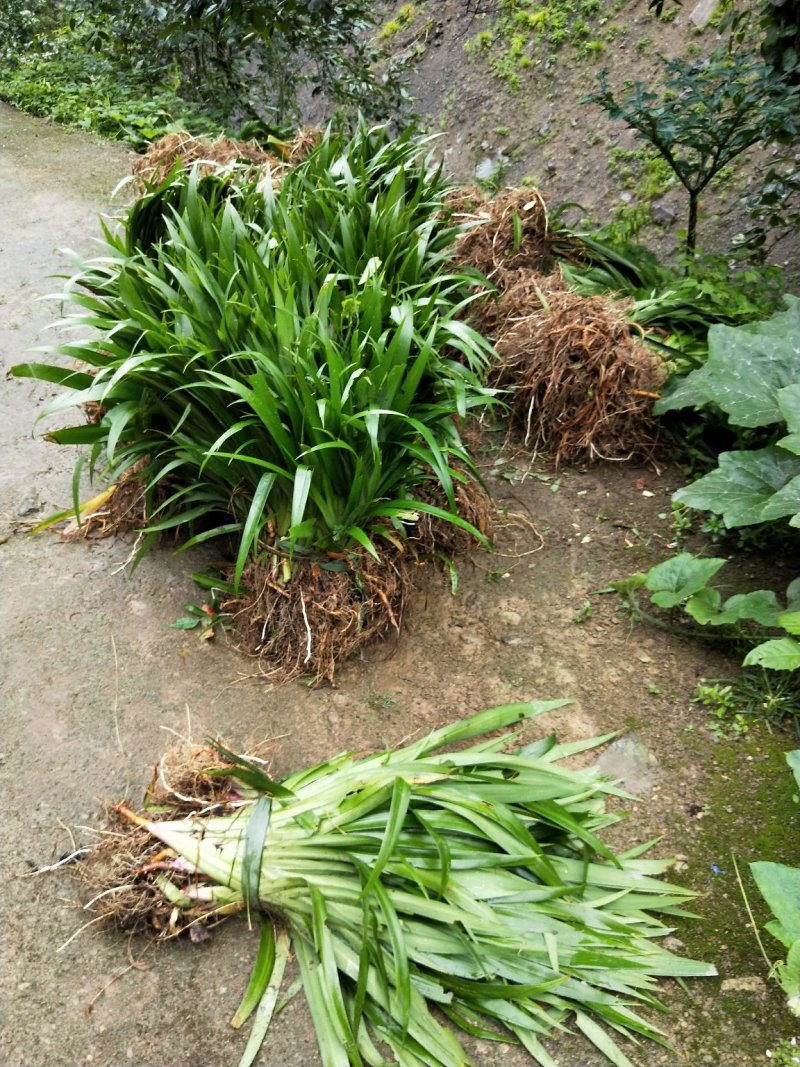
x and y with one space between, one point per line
93 680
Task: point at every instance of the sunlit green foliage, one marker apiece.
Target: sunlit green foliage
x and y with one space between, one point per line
286 362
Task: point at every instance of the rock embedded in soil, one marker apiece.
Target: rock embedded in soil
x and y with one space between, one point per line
629 761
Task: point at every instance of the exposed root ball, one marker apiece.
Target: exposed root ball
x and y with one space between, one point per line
162 155
510 241
332 608
581 386
181 780
120 875
302 144
117 510
507 233
114 882
319 617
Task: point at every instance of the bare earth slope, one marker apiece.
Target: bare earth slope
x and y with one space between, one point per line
93 681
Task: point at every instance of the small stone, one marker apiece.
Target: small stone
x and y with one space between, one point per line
630 762
625 198
29 506
702 12
515 639
663 214
470 639
486 169
750 983
510 618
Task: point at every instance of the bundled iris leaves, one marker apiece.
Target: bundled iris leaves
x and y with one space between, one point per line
470 881
279 363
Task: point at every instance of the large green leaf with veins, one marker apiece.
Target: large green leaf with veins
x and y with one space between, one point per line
789 403
746 367
672 581
748 487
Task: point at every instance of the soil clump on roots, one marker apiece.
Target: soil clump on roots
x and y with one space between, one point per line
582 386
508 233
305 616
119 877
579 383
333 607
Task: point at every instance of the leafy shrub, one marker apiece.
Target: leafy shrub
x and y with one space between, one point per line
753 376
20 22
135 69
750 620
707 114
67 82
683 581
280 364
249 60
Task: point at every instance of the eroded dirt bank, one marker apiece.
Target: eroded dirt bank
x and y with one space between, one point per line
93 680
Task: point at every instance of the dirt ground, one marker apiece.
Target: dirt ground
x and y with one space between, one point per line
531 125
94 684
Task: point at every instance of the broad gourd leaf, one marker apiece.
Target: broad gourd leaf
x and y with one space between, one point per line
693 391
790 621
785 502
780 654
793 759
761 606
779 885
676 579
746 368
704 606
742 485
779 324
789 977
789 403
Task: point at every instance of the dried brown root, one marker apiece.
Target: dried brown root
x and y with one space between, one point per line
330 609
181 781
509 232
115 884
162 155
581 385
319 617
117 510
118 874
302 145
